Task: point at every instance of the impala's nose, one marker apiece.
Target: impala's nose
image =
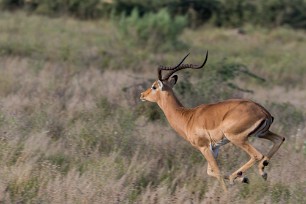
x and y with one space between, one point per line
142 97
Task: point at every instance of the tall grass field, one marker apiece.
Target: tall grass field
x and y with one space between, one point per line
73 130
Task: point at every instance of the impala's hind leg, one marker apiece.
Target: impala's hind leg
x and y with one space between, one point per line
277 142
254 154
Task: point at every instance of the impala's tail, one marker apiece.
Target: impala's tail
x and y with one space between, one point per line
262 128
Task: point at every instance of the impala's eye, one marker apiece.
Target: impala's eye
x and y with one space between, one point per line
153 88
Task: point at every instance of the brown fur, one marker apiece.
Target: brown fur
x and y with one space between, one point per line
206 125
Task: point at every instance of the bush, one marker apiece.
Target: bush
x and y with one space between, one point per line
233 13
81 9
11 4
157 31
197 11
282 12
268 13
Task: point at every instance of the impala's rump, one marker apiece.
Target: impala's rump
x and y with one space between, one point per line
217 123
240 116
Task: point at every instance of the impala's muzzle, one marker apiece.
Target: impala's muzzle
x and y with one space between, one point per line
142 97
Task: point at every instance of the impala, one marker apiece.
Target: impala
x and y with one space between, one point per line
209 126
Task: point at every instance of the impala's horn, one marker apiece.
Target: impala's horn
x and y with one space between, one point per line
178 67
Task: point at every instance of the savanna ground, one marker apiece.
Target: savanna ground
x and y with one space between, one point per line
72 128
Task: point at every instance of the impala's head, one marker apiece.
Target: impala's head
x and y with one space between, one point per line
165 83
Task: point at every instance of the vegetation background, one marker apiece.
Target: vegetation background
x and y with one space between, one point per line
72 128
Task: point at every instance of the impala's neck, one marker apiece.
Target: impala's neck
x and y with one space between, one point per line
176 114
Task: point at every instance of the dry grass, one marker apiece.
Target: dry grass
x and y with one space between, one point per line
76 133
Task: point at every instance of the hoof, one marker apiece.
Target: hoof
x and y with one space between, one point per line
245 180
265 163
264 176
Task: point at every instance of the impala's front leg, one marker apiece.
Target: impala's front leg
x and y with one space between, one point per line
212 169
215 152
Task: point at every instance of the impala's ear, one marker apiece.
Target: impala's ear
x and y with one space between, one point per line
173 80
160 84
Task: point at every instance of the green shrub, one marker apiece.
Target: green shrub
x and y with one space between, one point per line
268 13
157 31
81 9
198 11
11 4
233 13
282 12
85 9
